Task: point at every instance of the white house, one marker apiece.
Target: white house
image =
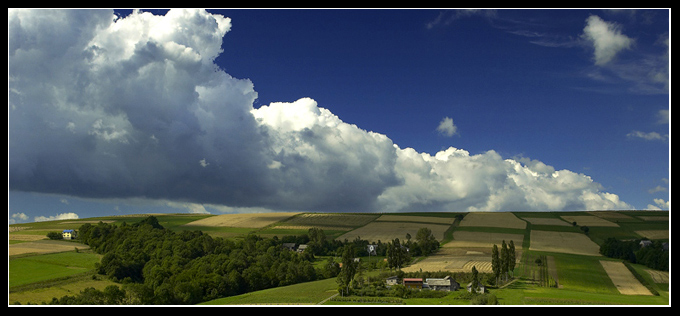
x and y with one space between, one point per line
68 234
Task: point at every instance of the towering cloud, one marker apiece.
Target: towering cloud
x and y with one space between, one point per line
102 107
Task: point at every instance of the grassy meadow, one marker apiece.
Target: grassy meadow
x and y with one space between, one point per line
571 270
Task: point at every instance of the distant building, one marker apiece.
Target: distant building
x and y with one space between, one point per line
289 245
413 283
393 280
445 284
301 248
68 234
645 243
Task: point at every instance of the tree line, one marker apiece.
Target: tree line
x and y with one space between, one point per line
654 255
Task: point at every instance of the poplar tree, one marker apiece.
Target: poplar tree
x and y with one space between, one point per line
504 260
511 257
495 262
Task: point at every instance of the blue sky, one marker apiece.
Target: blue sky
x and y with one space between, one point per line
292 100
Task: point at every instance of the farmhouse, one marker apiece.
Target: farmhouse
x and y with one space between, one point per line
645 243
413 283
445 284
393 280
68 234
301 248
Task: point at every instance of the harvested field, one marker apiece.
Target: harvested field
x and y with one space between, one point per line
563 242
589 220
387 231
457 260
43 246
546 221
623 279
253 220
653 234
493 219
419 219
465 239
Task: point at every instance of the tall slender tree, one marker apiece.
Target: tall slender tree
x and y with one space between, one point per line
511 257
495 262
504 260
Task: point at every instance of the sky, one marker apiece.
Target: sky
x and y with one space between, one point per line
113 112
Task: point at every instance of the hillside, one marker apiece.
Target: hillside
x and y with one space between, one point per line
574 270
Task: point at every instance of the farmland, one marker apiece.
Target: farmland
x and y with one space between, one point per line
571 269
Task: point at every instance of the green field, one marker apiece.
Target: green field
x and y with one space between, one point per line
574 279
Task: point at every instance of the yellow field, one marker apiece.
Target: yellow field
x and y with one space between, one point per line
588 220
546 221
653 234
465 239
387 231
493 219
246 220
623 279
564 242
43 246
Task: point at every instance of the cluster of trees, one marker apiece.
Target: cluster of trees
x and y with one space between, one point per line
503 263
155 265
159 266
653 256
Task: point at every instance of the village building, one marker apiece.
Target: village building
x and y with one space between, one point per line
301 248
413 283
445 284
393 280
68 234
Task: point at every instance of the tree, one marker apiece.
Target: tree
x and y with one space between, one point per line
397 255
495 263
349 267
511 257
426 240
54 235
504 260
475 280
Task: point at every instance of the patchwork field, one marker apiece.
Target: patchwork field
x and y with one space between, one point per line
493 219
546 221
571 254
387 231
588 220
42 247
563 242
255 220
328 221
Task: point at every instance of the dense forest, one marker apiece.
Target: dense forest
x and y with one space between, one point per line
155 265
654 255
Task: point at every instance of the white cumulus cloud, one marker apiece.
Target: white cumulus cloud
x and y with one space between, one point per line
135 107
446 127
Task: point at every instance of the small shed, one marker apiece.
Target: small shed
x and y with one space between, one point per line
301 248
